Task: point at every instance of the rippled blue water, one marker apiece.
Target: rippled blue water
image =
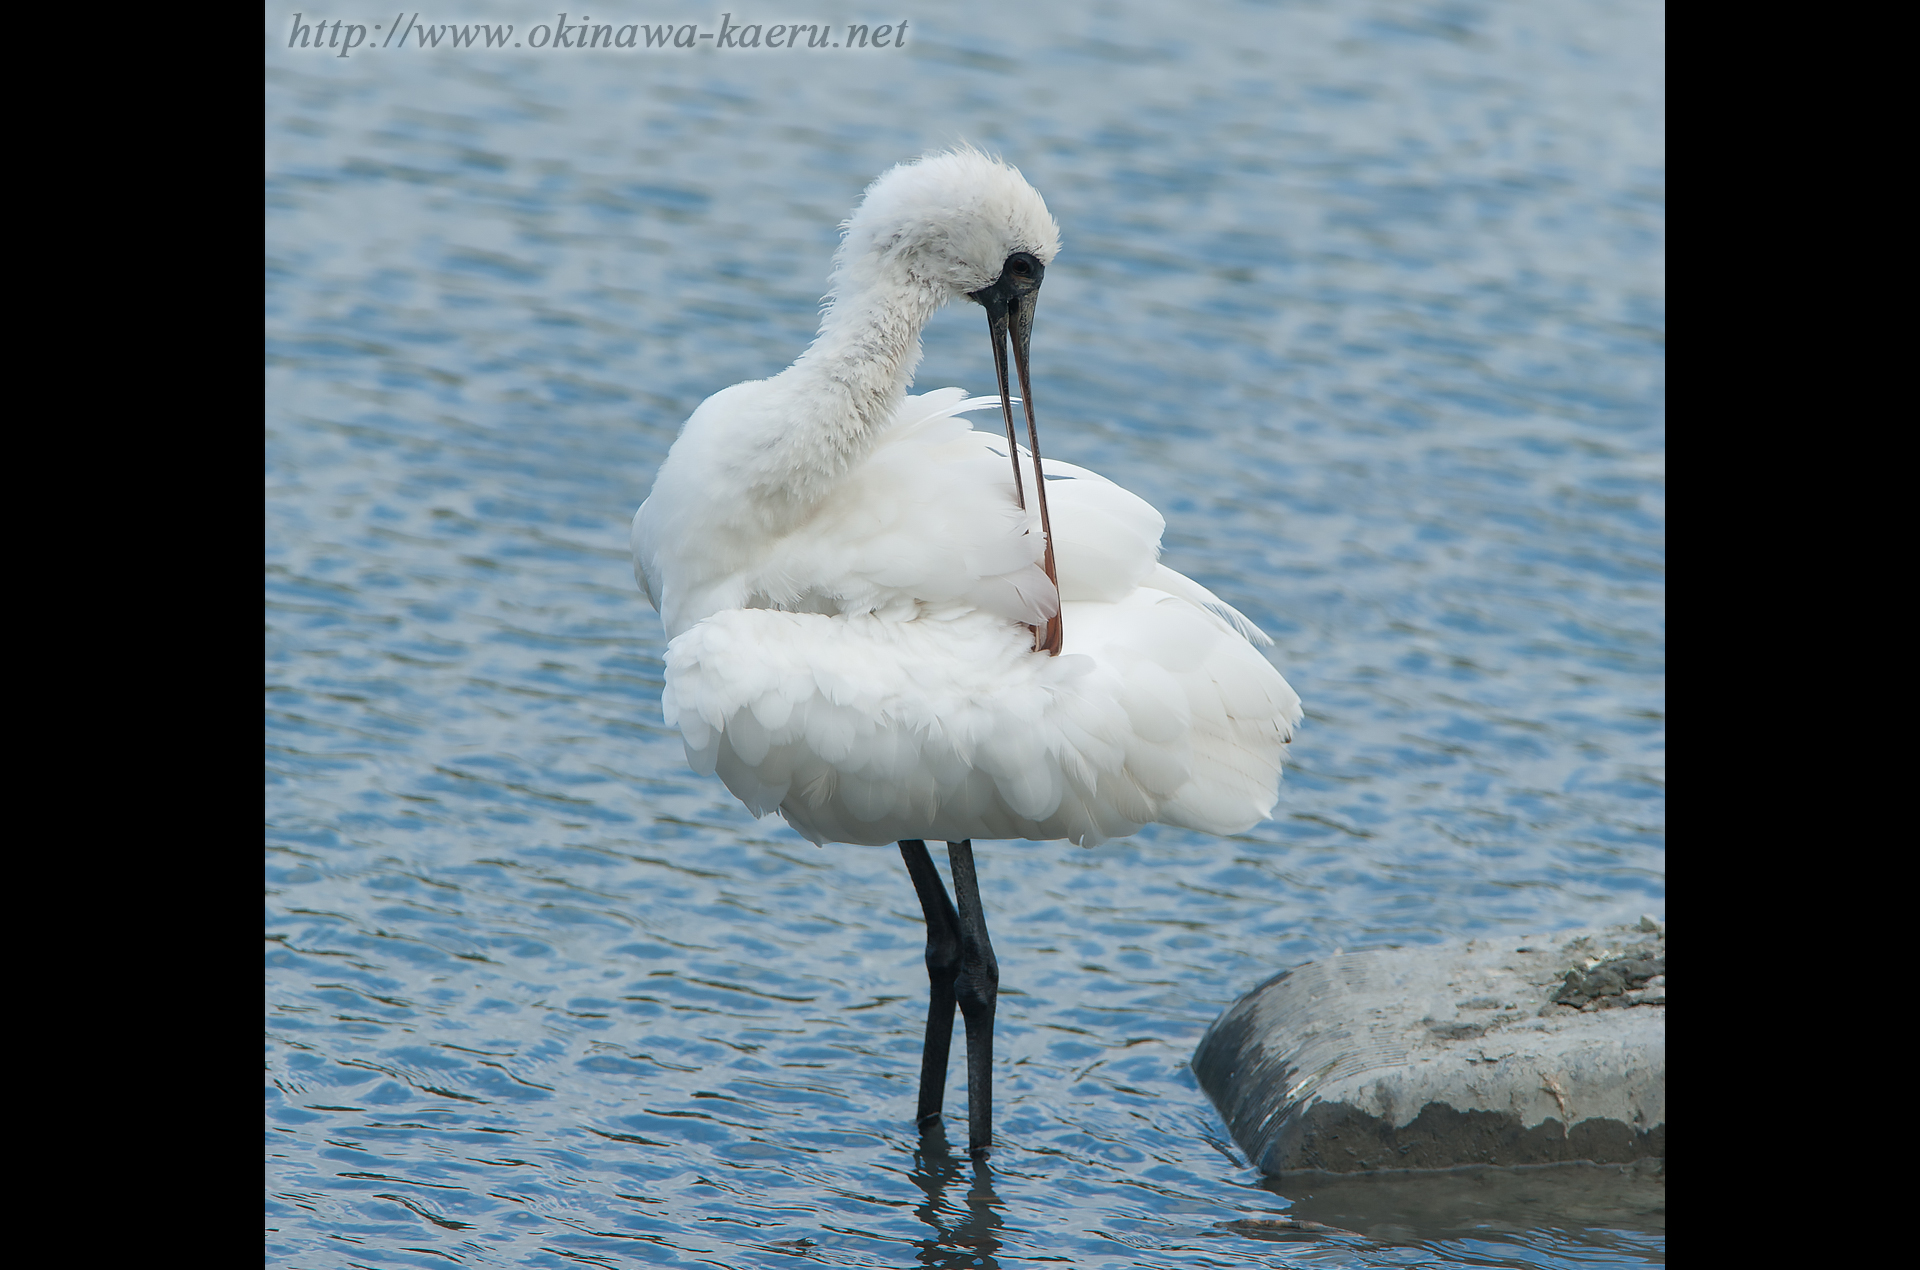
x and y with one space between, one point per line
1366 297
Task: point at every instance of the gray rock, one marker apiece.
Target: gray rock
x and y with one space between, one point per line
1528 1050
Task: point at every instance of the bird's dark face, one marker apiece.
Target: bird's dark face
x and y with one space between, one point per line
1020 276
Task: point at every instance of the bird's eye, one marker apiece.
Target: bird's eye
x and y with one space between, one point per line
1020 267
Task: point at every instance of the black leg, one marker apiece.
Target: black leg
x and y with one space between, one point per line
976 990
943 965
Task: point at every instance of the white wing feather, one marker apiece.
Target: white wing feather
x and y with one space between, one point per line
869 674
860 729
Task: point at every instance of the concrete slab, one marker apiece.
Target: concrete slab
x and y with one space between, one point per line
1529 1050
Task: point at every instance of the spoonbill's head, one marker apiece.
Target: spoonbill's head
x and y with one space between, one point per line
951 224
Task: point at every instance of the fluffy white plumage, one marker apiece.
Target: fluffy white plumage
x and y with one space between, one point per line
846 580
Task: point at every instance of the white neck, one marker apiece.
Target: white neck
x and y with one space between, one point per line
844 388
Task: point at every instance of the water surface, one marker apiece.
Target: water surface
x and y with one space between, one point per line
1367 298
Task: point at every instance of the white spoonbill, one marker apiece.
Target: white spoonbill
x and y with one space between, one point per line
880 629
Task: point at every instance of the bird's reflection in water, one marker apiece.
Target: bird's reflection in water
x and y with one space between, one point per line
961 1206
